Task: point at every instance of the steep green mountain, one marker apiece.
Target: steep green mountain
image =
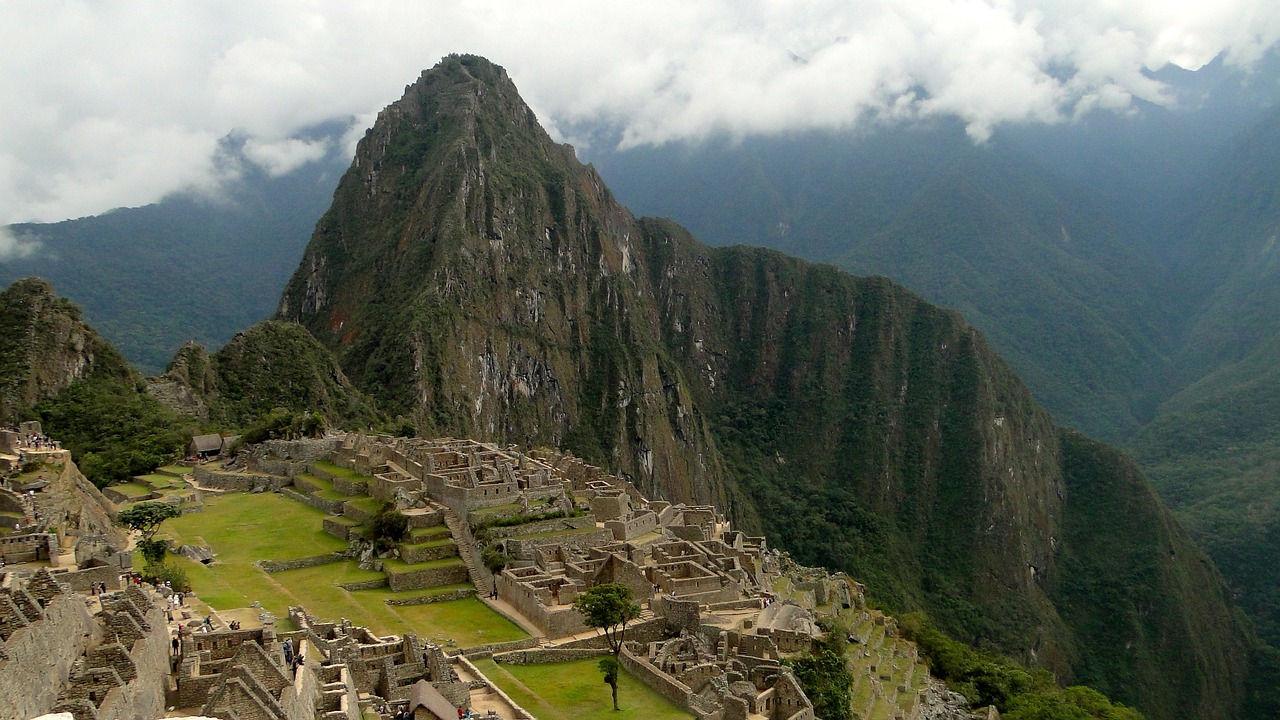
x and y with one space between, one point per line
55 368
471 273
190 267
271 365
1048 270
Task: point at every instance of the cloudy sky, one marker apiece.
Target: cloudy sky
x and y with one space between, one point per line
107 104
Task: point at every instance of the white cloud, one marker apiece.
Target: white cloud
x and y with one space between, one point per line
16 246
118 102
284 156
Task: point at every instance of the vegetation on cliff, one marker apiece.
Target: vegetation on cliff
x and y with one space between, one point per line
56 369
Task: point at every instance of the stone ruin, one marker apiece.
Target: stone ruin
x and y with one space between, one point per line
57 657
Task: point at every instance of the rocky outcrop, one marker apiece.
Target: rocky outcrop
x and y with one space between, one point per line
44 346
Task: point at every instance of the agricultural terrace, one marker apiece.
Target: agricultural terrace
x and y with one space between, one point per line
243 529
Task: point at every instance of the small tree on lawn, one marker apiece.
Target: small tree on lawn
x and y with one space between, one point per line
146 518
608 606
494 561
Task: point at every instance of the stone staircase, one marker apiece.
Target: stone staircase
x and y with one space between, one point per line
462 537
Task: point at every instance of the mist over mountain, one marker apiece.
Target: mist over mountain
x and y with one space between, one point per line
199 265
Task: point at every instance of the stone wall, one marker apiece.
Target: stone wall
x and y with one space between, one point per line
305 450
542 526
538 656
82 580
413 554
459 594
275 566
636 526
25 548
660 682
239 482
522 548
339 529
428 577
39 657
330 506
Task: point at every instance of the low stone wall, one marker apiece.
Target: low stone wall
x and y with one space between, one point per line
648 631
413 554
120 498
339 529
459 594
419 519
366 585
744 604
275 466
355 512
347 486
541 526
484 651
82 580
275 566
305 450
332 507
239 482
522 548
428 577
520 713
539 656
661 683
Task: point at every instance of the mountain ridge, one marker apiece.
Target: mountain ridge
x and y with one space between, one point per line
471 273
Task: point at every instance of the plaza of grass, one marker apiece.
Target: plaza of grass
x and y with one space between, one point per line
243 529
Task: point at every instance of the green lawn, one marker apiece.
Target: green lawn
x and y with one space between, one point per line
243 528
429 532
576 691
132 490
340 471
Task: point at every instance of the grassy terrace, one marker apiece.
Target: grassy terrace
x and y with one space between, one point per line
393 566
160 481
132 490
576 691
244 528
429 533
338 471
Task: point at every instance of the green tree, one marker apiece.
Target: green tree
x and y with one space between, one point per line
388 527
609 606
824 675
145 518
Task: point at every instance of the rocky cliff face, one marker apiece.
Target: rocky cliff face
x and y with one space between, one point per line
472 273
44 346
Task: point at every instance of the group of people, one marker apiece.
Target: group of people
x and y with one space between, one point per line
36 441
292 660
98 588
